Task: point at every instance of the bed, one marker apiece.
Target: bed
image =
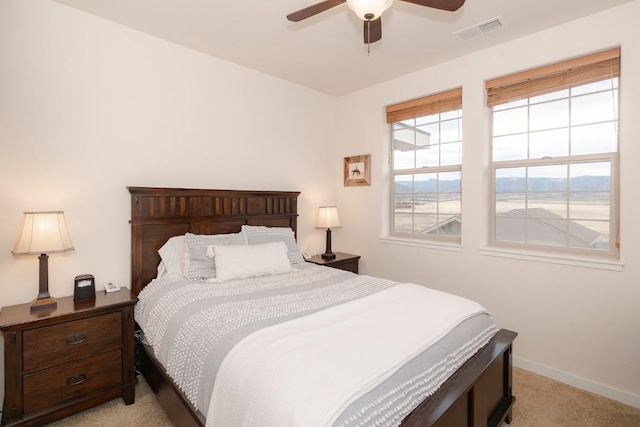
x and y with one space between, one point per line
478 393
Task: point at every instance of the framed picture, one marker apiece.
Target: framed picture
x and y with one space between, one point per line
357 170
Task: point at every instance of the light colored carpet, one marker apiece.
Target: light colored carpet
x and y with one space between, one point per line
146 411
540 402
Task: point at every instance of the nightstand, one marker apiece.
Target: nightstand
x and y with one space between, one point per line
342 261
66 360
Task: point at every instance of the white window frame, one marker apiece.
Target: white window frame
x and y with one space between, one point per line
434 238
612 158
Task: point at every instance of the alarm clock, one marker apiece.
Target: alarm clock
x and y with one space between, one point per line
84 287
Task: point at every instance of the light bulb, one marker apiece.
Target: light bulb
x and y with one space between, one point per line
369 9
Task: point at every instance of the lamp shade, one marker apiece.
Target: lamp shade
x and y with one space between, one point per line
364 7
328 217
43 233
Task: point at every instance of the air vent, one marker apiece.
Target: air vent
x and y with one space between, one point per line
480 29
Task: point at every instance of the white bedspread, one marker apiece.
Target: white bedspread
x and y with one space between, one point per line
306 371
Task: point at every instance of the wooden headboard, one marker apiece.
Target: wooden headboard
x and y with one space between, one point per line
158 214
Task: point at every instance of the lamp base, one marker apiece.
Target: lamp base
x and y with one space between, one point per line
44 300
328 254
42 304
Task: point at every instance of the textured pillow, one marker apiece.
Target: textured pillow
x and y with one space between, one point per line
196 264
171 254
242 261
256 235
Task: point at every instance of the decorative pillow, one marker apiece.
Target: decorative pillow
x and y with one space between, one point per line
196 264
256 235
171 254
241 261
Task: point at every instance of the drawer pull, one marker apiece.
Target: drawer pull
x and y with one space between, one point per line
76 379
76 339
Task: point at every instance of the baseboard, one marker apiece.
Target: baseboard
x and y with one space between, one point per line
579 382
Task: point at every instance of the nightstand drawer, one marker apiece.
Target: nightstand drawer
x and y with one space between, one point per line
54 386
55 345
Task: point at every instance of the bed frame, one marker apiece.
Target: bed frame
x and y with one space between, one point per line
478 394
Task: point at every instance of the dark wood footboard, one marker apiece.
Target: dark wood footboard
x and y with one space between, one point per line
478 394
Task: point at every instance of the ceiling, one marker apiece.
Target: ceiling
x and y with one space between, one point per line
326 52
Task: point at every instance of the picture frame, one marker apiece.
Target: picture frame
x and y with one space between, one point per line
357 170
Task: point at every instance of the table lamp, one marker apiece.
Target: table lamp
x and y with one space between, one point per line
43 233
328 218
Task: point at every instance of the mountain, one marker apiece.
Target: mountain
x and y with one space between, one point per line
582 183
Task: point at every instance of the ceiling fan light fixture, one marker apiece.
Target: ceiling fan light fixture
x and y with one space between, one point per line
366 8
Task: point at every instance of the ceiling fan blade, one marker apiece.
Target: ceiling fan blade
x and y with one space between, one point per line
372 30
450 5
308 12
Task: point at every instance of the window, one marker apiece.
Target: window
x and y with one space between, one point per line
554 157
426 166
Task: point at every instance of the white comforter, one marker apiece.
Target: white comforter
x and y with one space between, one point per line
306 371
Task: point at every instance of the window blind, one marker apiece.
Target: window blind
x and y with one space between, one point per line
579 71
432 104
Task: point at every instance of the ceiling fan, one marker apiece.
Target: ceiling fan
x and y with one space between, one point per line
370 11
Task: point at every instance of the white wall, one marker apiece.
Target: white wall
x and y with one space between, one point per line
576 324
89 107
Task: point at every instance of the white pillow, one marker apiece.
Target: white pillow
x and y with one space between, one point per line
241 261
257 234
161 270
171 255
196 265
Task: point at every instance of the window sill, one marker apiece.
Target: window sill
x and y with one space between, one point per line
419 243
576 261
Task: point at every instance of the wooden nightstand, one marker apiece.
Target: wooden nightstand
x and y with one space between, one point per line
69 359
343 261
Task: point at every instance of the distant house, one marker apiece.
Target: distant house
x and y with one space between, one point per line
547 228
450 226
